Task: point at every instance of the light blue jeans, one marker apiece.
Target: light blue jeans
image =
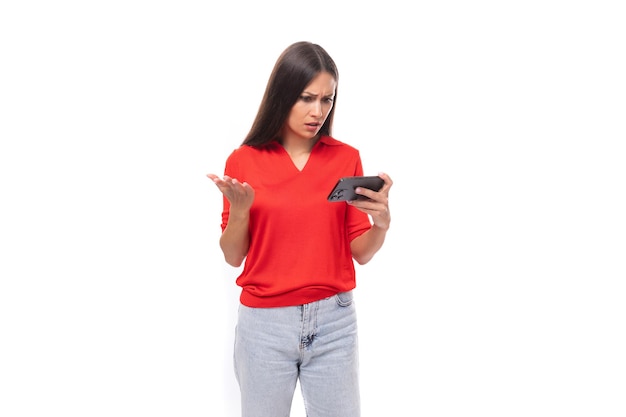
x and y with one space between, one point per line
315 342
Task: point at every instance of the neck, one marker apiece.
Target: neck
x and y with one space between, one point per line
299 146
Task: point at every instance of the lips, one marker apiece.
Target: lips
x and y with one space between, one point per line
312 127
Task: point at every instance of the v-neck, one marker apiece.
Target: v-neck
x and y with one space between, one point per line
306 163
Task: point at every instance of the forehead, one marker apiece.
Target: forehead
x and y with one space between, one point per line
323 83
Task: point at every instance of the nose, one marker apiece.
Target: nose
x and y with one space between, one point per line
316 109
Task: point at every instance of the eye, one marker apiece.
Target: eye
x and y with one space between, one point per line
306 99
329 99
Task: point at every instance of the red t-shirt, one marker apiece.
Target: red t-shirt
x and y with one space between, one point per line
299 241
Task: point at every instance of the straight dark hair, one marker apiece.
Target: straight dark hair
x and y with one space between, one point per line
293 71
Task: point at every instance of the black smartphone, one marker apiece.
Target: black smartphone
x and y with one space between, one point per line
344 189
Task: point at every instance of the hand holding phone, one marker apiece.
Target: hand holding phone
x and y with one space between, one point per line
344 189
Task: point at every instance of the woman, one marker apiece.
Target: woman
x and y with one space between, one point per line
296 317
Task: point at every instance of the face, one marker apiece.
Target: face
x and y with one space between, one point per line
312 108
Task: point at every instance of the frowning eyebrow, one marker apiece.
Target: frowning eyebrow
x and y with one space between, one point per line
316 95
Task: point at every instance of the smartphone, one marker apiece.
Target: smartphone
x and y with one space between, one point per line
344 189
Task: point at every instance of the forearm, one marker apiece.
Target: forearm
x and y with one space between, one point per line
235 239
365 246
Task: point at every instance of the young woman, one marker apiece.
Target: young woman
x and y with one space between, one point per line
296 316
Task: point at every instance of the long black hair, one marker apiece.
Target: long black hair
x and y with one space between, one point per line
293 71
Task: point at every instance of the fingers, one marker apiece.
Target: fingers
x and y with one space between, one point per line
226 181
377 195
378 204
388 182
238 193
217 180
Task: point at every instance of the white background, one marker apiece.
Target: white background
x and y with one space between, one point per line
498 292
